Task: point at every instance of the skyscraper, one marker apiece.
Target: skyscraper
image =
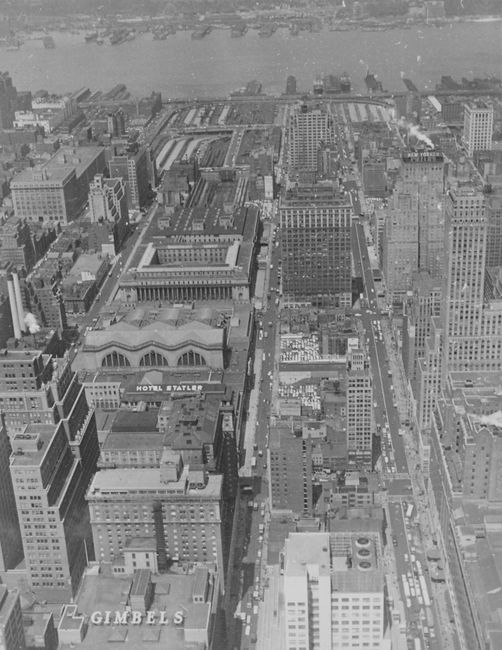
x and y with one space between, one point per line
316 246
494 236
478 127
307 128
11 550
422 174
413 237
50 473
359 407
465 247
108 204
8 100
135 167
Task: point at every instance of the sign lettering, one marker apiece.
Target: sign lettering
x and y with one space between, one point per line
135 617
168 388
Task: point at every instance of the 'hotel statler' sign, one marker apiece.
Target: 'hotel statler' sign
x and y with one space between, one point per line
134 617
168 388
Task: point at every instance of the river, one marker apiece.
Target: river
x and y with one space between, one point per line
218 64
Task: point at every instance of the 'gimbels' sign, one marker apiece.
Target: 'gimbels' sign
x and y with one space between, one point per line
168 388
134 617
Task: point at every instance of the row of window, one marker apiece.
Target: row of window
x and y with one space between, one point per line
152 359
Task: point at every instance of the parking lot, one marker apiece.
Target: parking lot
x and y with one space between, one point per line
300 347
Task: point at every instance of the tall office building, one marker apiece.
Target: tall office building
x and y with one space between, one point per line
465 248
178 510
11 620
422 174
494 235
359 407
8 101
307 128
316 246
333 591
136 169
478 127
108 204
424 304
50 473
429 372
400 244
11 550
414 230
116 123
36 388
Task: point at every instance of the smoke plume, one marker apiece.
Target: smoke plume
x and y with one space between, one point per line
31 323
414 131
494 419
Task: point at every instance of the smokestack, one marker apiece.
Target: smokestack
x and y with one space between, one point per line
19 302
13 309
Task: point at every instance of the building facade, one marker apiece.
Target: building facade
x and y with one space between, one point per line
178 509
108 204
136 170
462 309
316 246
153 338
478 127
291 473
413 238
56 191
11 550
333 591
307 128
50 472
359 408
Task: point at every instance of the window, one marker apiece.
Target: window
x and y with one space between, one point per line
153 359
115 360
191 358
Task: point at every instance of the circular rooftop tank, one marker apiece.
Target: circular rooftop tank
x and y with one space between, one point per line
362 541
364 565
363 552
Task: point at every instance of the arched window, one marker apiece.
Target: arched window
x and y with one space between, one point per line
191 358
115 360
153 359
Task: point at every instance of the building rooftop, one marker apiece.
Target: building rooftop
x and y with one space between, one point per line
130 440
30 447
172 594
42 174
304 549
350 559
168 326
142 422
113 482
87 262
